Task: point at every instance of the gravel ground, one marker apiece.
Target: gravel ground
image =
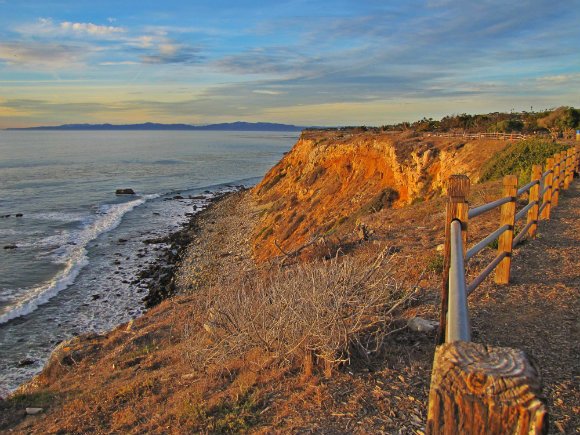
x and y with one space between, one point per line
221 245
539 311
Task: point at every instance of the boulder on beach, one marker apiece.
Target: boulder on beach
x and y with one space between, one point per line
11 246
26 362
124 192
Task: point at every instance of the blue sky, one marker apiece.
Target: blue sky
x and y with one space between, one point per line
304 62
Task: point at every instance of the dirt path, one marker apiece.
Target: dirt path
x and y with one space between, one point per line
540 311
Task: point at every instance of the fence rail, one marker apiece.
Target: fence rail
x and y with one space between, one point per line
454 406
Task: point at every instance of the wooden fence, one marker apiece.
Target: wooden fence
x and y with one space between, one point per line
475 388
497 136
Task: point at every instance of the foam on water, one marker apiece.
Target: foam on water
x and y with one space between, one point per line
73 256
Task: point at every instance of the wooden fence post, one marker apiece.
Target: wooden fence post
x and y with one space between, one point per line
477 389
556 181
457 208
508 216
577 162
548 193
562 169
572 163
567 168
534 196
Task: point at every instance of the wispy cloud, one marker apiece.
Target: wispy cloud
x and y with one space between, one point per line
42 55
46 27
109 45
267 92
168 53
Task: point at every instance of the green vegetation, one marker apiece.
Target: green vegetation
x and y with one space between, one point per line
562 120
39 399
518 159
274 181
436 263
507 126
224 417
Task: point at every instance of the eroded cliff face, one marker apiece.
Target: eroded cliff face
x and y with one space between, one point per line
329 179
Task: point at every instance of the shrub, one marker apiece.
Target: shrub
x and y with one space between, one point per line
384 198
273 181
518 158
331 308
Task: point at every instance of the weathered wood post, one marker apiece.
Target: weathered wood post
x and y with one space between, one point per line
556 181
477 389
577 163
548 193
507 217
568 168
457 208
534 197
562 169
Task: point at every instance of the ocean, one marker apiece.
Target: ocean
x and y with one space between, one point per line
70 248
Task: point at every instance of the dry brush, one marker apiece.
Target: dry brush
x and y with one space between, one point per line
335 309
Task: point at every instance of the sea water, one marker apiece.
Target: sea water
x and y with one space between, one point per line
71 259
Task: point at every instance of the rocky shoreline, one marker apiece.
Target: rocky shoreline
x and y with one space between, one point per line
160 277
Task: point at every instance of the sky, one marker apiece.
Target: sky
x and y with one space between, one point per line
304 62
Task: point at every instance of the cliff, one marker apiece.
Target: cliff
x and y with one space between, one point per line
331 179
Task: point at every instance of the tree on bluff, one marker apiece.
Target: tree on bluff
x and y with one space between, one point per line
507 126
562 120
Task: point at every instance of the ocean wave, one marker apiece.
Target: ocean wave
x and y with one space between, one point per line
74 257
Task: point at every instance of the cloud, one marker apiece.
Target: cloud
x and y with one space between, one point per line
42 55
46 27
123 62
107 45
264 61
91 29
267 92
560 78
167 53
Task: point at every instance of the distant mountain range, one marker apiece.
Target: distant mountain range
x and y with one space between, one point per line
229 126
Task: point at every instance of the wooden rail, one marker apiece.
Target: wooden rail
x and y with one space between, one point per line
476 388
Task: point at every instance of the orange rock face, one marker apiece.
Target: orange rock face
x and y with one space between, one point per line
330 178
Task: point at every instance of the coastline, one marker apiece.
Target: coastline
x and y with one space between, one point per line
192 257
154 281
